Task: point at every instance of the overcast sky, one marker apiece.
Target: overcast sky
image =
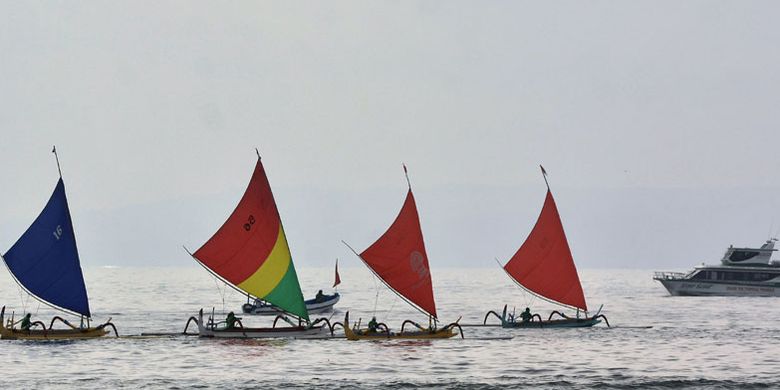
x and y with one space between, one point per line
657 122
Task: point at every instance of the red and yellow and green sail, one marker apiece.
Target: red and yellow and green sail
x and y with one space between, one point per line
250 250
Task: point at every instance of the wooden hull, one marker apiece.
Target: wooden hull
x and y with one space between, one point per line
73 333
536 322
417 335
51 334
562 323
258 333
365 334
263 333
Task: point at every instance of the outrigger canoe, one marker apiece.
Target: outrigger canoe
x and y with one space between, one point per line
40 332
45 263
398 258
545 267
563 321
383 332
250 254
218 329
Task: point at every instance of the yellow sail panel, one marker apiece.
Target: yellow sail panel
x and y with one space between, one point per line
268 276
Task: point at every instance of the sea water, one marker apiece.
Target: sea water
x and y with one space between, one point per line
707 342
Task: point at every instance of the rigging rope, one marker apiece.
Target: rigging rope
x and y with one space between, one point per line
221 291
376 297
24 297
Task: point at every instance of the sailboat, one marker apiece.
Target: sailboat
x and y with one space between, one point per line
45 263
545 267
250 254
321 303
399 259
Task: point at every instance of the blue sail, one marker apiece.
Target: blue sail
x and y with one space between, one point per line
45 260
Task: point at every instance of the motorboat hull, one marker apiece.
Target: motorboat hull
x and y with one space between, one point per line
312 306
704 288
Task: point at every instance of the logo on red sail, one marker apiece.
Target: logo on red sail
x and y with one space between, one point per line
417 262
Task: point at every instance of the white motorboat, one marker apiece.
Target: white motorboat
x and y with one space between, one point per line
323 304
742 272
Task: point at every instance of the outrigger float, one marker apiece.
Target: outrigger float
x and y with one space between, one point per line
45 263
545 267
399 259
250 254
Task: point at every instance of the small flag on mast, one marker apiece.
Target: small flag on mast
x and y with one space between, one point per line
338 278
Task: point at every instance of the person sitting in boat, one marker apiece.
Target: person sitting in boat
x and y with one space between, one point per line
526 315
26 324
373 326
231 320
320 296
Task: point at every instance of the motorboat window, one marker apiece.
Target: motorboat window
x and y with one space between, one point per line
746 276
738 256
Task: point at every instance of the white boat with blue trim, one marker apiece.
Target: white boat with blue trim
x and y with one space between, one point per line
742 272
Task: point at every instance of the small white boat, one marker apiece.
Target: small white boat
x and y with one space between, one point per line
743 272
314 306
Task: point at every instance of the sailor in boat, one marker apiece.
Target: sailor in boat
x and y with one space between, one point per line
373 325
25 322
526 315
231 320
320 297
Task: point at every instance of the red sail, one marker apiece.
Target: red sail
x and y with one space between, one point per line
544 264
399 258
231 252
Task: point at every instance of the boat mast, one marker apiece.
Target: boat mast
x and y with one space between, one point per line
56 157
406 173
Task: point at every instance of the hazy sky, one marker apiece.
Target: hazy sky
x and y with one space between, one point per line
657 122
